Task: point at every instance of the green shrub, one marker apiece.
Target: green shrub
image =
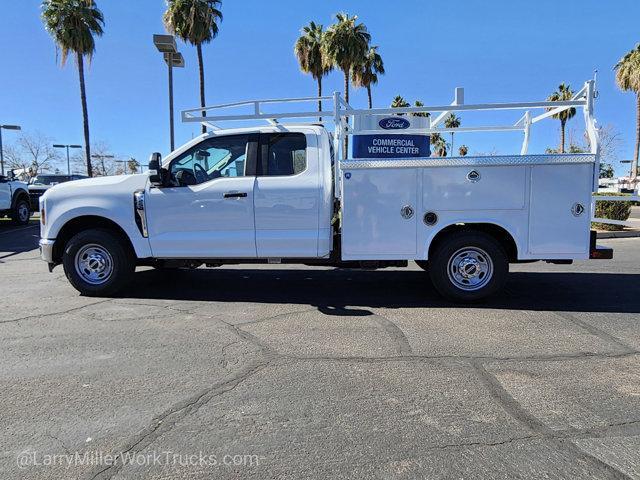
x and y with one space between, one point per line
612 211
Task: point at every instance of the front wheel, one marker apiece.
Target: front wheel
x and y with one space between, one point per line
468 266
98 263
21 212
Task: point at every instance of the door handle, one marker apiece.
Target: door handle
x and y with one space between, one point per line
234 194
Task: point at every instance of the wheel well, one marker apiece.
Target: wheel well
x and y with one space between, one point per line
87 222
19 194
499 233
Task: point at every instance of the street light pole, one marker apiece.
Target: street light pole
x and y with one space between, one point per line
170 65
166 44
6 127
68 161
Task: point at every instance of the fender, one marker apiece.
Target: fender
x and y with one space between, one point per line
516 236
20 192
128 225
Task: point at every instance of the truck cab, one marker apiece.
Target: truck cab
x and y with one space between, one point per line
14 200
244 194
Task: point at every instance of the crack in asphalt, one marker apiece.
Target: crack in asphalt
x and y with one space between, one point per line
166 421
403 347
44 315
593 330
461 358
513 408
483 444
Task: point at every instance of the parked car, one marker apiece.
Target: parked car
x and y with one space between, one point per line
14 199
43 182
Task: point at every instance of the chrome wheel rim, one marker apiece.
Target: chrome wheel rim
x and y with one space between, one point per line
470 268
23 212
94 264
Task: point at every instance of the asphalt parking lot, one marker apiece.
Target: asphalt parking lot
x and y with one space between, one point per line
295 372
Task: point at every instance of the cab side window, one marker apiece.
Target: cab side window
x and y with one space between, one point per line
283 154
213 158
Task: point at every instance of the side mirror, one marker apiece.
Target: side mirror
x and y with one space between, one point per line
11 175
155 166
185 178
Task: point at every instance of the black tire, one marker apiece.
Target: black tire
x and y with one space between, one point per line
423 264
21 212
460 259
116 253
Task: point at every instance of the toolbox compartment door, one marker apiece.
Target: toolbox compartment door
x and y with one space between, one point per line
373 225
560 210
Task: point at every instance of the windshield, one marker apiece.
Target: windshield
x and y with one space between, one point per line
48 179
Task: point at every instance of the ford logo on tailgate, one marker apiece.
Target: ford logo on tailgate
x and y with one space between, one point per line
394 123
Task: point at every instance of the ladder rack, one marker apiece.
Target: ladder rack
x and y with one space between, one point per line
342 115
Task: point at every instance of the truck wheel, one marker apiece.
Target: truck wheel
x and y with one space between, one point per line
468 266
21 212
98 263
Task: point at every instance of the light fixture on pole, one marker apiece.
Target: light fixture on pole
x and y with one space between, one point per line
57 145
166 44
6 127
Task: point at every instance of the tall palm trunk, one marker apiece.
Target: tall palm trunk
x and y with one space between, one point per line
201 69
634 164
85 113
369 97
452 150
347 72
562 125
319 95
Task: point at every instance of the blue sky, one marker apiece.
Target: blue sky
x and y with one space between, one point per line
499 50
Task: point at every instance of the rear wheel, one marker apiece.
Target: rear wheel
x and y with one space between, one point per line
21 212
98 263
468 266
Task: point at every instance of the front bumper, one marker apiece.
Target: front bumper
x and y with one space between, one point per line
46 249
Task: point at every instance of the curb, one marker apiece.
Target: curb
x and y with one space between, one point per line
622 234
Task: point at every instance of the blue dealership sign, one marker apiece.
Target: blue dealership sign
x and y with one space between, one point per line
390 145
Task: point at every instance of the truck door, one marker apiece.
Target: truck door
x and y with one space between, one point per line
5 194
287 195
213 218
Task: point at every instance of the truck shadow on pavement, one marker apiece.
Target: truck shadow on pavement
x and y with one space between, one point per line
18 239
347 292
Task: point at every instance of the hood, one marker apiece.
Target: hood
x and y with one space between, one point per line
38 187
113 185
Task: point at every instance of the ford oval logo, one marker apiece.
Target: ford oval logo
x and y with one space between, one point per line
394 123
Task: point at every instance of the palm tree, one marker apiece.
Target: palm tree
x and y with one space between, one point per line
463 150
563 93
196 22
345 45
452 121
73 25
439 145
418 103
308 51
399 102
628 79
366 74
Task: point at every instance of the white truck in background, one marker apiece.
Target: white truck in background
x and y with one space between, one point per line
278 193
14 199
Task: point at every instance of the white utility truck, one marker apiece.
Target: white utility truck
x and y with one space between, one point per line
14 199
284 193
